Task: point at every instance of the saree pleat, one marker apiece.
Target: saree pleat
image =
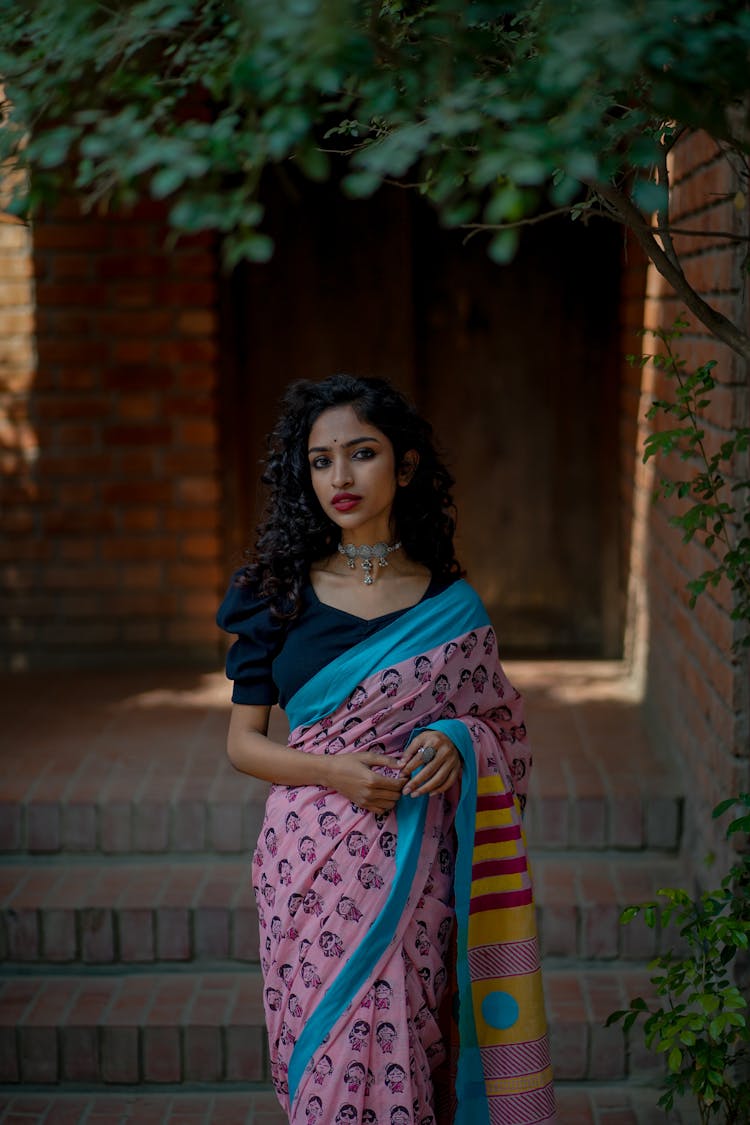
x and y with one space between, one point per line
365 920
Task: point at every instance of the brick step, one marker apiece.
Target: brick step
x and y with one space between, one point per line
150 825
208 1027
580 899
624 820
226 817
124 826
202 908
105 913
586 1105
121 767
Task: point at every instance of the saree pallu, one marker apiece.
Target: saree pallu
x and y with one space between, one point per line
379 931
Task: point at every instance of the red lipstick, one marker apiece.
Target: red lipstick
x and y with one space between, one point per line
345 501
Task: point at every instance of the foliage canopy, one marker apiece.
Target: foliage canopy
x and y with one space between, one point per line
497 112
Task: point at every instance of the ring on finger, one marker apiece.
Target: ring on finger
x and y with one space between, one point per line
427 753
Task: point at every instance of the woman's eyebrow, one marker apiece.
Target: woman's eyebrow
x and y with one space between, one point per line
354 441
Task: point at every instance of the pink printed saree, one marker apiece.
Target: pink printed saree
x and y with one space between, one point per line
377 932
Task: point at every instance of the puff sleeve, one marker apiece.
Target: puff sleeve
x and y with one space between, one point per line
259 640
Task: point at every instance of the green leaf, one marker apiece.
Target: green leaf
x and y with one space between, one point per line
503 246
650 196
360 185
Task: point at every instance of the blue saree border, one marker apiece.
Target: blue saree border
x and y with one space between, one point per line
471 1098
428 624
410 818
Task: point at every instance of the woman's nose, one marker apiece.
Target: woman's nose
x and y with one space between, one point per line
342 473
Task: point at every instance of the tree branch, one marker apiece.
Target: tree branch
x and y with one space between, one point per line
718 324
532 220
663 213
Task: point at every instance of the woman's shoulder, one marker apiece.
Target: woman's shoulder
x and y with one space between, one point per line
462 593
244 606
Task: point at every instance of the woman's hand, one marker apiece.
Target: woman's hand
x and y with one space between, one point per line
436 775
354 775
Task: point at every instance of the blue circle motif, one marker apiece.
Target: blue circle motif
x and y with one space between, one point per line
500 1010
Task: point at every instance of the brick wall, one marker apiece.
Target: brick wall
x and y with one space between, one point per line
696 691
114 541
18 445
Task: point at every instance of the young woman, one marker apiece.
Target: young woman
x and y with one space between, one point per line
398 942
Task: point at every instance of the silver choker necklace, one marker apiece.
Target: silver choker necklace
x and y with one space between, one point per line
366 554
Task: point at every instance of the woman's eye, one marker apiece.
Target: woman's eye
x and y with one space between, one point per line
320 463
364 454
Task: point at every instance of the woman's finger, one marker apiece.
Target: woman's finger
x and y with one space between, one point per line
413 758
428 778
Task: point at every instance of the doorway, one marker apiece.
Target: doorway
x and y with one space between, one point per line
517 368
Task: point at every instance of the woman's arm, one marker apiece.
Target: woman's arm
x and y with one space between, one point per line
251 751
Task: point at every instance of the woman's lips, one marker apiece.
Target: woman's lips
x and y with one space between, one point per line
345 502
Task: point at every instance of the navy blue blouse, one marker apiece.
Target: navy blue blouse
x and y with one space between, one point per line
272 659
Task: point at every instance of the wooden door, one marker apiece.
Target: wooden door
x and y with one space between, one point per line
515 366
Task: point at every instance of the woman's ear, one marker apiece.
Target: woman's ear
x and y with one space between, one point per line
408 466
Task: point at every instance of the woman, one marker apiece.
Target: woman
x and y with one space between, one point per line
398 944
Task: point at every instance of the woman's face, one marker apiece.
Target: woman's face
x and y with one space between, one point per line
354 475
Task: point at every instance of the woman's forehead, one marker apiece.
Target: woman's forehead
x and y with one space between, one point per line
339 425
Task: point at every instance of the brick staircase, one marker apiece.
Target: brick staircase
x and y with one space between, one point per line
130 988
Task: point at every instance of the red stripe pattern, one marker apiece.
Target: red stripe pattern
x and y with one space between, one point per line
501 901
515 958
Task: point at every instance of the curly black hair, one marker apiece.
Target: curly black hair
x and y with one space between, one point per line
295 531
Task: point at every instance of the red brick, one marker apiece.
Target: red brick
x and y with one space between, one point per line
191 519
97 937
118 267
37 1049
192 352
161 1054
569 1049
225 826
74 236
80 1054
136 377
148 323
22 935
119 1054
59 935
559 926
186 294
589 828
197 433
245 934
79 827
132 352
147 433
116 828
203 1054
190 461
155 548
197 322
136 929
72 267
211 933
189 826
150 827
81 351
137 492
17 266
244 1054
14 293
10 826
140 519
43 827
200 547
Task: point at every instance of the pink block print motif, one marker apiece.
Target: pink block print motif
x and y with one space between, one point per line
322 873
